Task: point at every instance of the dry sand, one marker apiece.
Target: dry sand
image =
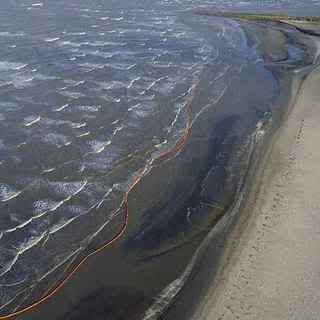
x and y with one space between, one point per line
274 272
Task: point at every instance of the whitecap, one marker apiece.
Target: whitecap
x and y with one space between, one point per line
70 43
134 107
121 66
11 66
41 213
5 83
63 222
112 85
83 134
101 54
98 146
110 98
152 84
31 241
117 19
61 108
39 76
166 87
68 189
48 170
71 94
8 258
117 129
76 33
10 34
40 207
55 139
88 108
132 82
22 81
144 110
72 213
30 120
51 39
160 145
105 43
19 226
78 125
88 67
8 192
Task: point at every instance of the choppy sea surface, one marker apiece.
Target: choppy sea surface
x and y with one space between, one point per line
92 93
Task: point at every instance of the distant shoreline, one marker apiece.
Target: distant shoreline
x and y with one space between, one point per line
259 17
306 24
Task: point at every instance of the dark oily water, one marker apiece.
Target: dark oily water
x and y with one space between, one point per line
113 111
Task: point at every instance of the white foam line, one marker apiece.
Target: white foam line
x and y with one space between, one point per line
171 126
48 170
221 74
32 244
104 197
12 284
33 122
12 196
21 67
56 229
167 294
134 107
154 83
52 39
210 104
117 129
61 108
103 147
59 264
2 306
36 217
114 214
83 134
83 124
78 83
132 82
10 265
96 205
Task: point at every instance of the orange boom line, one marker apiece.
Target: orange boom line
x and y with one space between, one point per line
164 156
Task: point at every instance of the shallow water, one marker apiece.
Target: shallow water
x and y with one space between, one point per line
96 97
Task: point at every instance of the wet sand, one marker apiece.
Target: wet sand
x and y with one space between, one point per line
271 265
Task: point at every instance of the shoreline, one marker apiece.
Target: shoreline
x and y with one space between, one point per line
247 277
222 244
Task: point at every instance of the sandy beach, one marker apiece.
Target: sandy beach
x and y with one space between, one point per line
272 271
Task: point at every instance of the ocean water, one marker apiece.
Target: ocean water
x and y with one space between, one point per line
110 107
